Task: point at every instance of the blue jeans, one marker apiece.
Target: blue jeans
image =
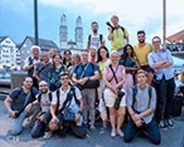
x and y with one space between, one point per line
151 130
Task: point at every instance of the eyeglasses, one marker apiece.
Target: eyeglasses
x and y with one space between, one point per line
64 79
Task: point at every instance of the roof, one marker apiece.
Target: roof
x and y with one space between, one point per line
176 37
43 43
2 38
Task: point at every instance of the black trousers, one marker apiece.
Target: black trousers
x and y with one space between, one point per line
165 95
78 131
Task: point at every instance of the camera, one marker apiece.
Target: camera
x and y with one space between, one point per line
109 24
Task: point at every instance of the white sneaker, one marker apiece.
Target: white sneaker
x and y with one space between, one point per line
47 135
120 133
113 133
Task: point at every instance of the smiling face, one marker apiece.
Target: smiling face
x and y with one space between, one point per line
115 57
156 43
141 77
141 38
28 82
43 87
103 53
64 79
57 59
84 57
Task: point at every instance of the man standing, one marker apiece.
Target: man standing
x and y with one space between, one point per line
67 98
43 68
118 35
162 62
95 40
83 74
141 104
141 50
31 63
19 105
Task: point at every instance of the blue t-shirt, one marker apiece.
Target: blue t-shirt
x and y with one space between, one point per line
90 69
19 96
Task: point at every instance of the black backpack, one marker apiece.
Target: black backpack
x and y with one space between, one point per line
134 93
30 72
123 30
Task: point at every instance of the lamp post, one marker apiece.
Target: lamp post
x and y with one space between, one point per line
164 22
36 21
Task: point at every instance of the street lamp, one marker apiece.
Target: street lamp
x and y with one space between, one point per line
36 21
164 22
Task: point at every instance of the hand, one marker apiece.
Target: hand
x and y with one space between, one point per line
135 117
83 81
77 118
13 114
54 120
40 118
114 90
138 123
109 29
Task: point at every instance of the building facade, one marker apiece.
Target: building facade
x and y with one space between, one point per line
9 53
75 46
25 46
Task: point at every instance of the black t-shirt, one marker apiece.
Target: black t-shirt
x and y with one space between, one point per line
18 96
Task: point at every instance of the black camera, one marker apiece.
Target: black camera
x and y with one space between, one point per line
118 100
109 24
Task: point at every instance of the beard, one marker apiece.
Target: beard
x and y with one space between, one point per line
141 41
44 91
95 31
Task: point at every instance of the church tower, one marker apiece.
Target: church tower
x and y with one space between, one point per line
63 33
79 33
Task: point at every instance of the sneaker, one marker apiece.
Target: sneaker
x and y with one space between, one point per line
162 126
113 133
120 133
92 128
47 135
169 123
102 130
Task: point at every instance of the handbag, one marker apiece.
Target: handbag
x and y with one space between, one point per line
90 84
70 110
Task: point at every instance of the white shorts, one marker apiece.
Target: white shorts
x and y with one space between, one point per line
110 98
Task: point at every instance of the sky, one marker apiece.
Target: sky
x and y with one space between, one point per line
17 17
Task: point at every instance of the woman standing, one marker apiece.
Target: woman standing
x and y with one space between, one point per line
131 65
58 67
102 61
114 78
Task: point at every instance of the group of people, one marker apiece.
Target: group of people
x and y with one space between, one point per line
132 83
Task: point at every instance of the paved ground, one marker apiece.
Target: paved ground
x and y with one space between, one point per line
171 138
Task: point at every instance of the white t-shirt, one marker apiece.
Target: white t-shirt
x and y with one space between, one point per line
44 102
95 41
63 96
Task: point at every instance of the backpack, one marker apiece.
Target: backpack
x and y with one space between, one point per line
40 94
89 39
134 93
122 28
30 72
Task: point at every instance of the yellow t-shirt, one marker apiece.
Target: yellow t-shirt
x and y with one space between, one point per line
102 67
141 53
118 38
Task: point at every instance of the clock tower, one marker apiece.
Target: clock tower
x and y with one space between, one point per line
79 33
63 33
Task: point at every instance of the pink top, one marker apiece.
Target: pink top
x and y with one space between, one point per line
119 74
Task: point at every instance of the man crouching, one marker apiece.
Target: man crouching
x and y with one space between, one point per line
67 102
